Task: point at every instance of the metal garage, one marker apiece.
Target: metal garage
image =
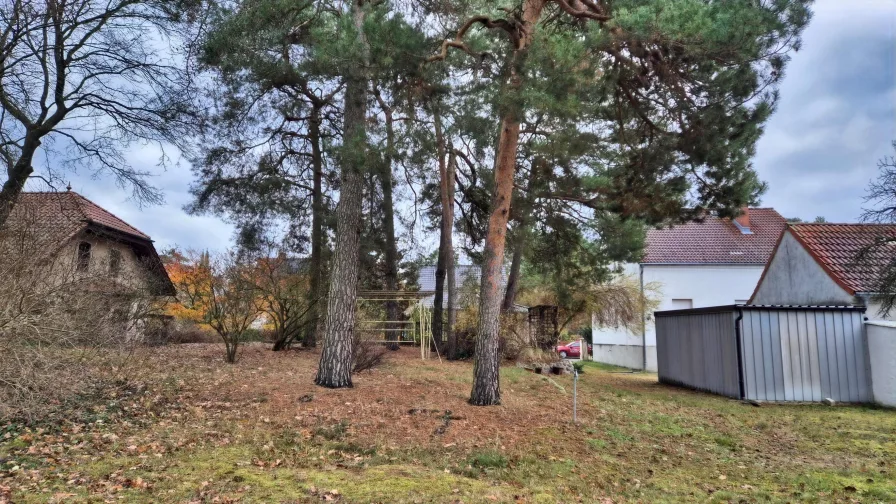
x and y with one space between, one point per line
766 353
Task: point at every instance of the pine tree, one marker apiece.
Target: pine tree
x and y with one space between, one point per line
672 95
377 46
335 369
263 159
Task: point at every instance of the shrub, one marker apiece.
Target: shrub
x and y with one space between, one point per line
64 328
466 343
189 332
367 355
218 291
536 356
258 335
157 330
585 333
514 336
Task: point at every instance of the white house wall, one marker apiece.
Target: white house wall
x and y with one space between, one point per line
794 277
703 285
881 349
874 311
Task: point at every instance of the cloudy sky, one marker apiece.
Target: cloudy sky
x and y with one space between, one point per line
837 114
836 118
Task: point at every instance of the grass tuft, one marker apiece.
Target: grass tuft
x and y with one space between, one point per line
488 460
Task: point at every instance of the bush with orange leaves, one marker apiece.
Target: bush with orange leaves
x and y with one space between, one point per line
217 291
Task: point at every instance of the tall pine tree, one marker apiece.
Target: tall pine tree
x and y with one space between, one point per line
672 94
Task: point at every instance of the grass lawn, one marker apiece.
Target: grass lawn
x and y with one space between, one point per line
199 430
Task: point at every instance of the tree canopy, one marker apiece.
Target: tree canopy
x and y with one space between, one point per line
81 81
557 129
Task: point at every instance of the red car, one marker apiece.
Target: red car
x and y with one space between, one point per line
572 350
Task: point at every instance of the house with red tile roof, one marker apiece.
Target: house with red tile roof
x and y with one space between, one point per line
712 262
80 237
823 264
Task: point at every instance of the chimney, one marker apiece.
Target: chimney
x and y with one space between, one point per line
743 221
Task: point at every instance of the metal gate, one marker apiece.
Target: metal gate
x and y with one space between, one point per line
767 353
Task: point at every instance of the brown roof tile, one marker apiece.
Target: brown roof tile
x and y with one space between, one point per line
716 241
64 213
836 247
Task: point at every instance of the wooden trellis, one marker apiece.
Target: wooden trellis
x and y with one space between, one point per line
374 325
544 330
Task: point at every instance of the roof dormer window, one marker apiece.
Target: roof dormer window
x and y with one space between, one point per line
743 229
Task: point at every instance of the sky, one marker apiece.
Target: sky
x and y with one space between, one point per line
836 118
837 113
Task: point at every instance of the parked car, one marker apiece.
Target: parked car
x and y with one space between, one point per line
572 350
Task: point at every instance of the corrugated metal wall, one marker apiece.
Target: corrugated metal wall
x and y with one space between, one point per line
787 353
805 354
698 350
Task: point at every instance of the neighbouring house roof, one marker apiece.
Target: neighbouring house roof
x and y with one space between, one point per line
463 274
717 240
69 212
60 216
836 248
426 278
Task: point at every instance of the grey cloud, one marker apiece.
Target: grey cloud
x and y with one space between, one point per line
837 114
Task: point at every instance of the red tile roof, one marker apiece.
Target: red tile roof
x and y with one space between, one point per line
64 213
836 247
716 241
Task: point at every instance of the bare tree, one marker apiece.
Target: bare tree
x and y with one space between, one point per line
233 303
84 80
283 285
881 195
876 260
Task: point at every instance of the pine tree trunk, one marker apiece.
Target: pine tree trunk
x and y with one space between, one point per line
438 302
391 248
486 383
522 211
486 377
513 277
317 231
335 369
448 216
438 313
